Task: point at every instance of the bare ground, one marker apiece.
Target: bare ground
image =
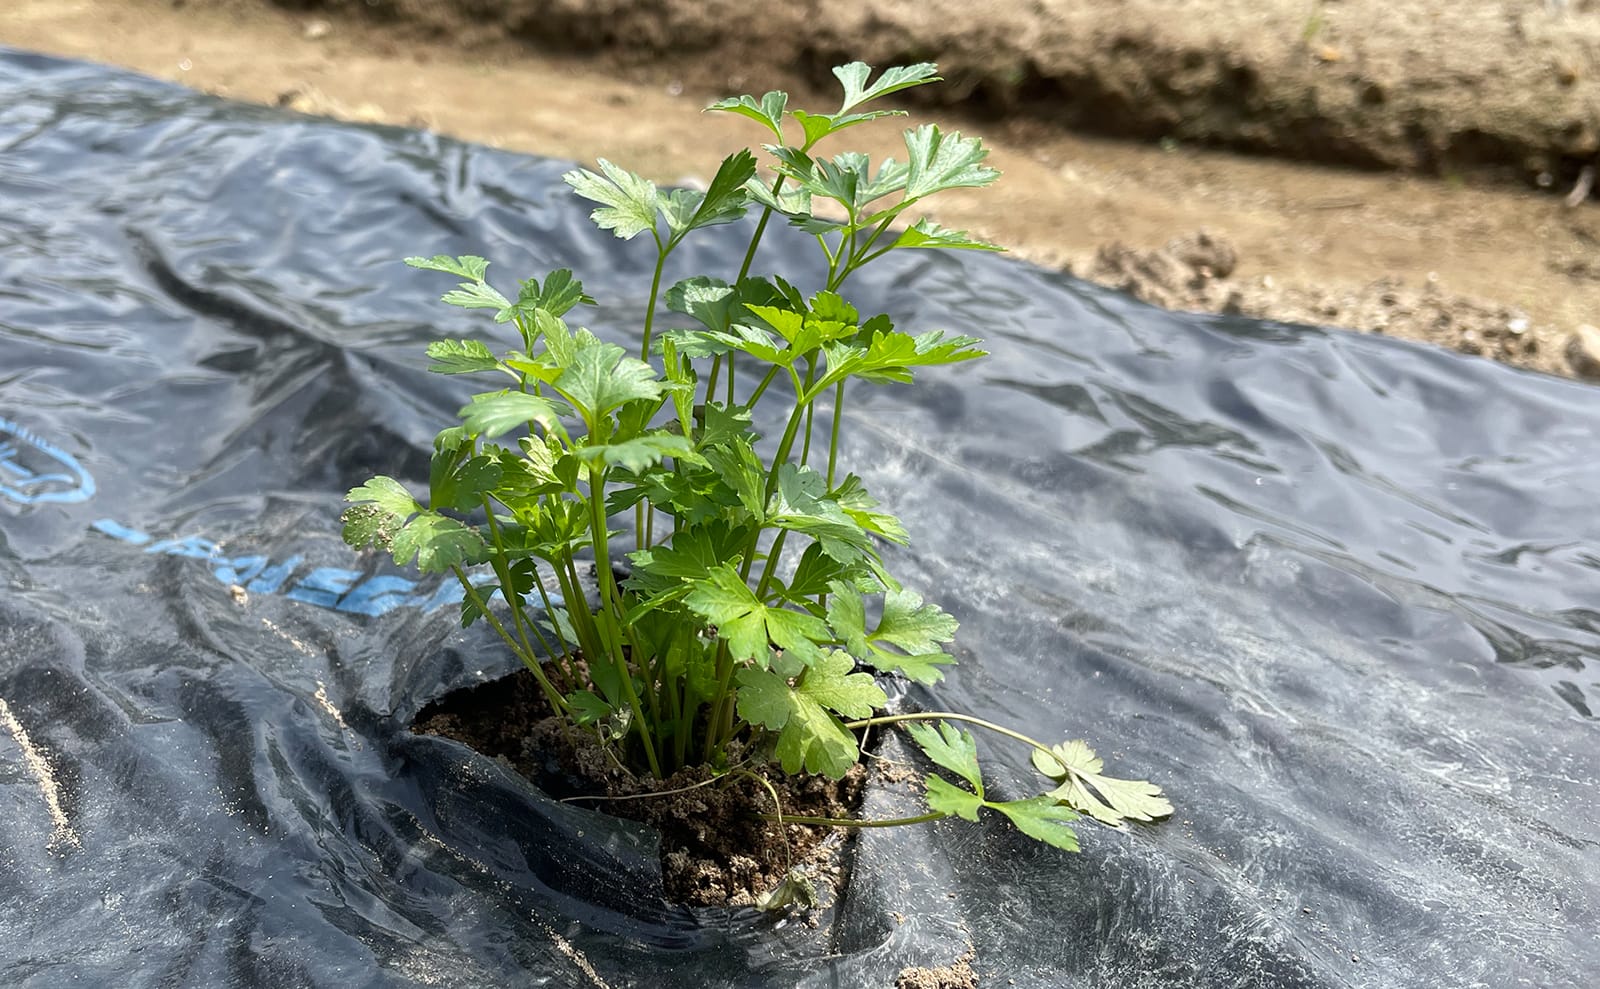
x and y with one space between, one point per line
1474 91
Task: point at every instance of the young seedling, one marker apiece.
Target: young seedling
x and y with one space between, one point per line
743 617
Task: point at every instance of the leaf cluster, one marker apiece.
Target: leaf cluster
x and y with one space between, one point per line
756 599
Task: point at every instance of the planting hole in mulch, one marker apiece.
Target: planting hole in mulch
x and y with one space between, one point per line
715 849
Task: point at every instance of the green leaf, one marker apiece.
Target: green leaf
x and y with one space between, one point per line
599 378
722 202
493 413
947 798
709 300
438 543
940 161
557 296
951 748
768 112
905 620
890 355
588 708
816 571
478 295
460 357
640 452
1041 818
468 266
1076 767
911 625
763 698
856 91
462 486
833 683
387 494
629 202
369 525
747 624
927 234
812 737
799 506
727 602
853 498
820 125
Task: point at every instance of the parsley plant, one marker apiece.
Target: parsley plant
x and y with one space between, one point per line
744 616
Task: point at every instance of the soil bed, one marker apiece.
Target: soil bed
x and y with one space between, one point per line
715 848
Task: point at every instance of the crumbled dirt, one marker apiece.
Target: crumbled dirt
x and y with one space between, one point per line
1193 274
1447 87
715 850
957 975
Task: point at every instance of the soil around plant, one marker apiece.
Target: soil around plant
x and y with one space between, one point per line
716 849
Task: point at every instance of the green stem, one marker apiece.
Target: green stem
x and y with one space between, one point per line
772 563
711 380
756 395
833 438
557 702
725 667
892 719
613 611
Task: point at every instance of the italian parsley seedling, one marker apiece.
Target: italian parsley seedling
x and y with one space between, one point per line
744 615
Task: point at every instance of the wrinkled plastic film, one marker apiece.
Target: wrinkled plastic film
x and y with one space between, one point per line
1337 594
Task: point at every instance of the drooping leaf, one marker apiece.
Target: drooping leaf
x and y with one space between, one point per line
910 624
709 300
947 798
1041 818
852 496
628 201
477 295
800 506
468 267
951 748
588 708
908 621
1083 786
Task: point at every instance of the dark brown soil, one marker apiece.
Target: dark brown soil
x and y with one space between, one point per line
715 849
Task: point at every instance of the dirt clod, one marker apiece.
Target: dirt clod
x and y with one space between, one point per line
957 975
716 849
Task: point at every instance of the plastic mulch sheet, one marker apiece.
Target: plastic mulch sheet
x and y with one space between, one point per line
1339 595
